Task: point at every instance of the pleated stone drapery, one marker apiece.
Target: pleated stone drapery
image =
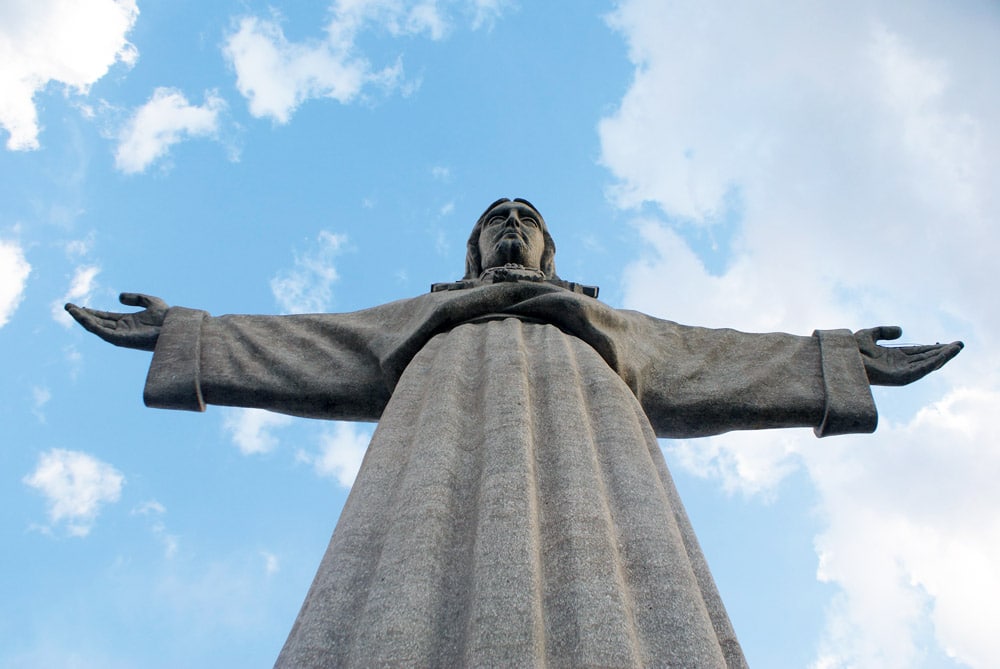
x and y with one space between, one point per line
523 517
513 508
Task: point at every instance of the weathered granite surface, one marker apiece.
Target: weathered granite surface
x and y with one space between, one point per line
513 508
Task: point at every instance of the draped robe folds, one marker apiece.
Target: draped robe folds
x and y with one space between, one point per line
513 507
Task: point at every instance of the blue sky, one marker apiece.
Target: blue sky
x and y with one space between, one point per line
768 167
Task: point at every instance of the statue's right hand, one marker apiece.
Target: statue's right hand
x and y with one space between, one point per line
135 330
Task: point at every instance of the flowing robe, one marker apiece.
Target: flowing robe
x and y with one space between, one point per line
513 507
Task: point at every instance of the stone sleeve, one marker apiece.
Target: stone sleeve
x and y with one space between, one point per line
696 382
310 365
848 407
173 380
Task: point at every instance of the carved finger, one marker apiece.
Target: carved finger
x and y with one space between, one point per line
110 318
886 332
919 356
914 350
142 300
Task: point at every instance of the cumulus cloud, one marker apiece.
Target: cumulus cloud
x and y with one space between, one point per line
308 286
71 42
252 429
166 119
341 450
76 485
14 271
81 288
276 75
836 167
913 536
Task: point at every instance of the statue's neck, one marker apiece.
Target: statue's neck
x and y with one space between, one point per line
512 273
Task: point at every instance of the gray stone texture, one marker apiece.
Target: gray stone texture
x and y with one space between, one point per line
513 508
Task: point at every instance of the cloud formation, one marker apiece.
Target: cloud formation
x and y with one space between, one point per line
276 75
829 167
14 271
341 450
307 288
251 429
166 119
71 42
913 536
76 485
80 290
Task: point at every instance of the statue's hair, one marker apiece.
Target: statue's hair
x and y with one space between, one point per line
473 258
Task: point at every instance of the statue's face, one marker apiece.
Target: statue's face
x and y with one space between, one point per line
512 233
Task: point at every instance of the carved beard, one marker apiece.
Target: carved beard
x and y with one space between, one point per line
510 250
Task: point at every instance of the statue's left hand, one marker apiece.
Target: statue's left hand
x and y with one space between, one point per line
135 330
899 365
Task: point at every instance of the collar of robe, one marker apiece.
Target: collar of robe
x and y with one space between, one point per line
514 273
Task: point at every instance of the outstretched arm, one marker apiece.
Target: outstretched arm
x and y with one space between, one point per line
900 365
138 330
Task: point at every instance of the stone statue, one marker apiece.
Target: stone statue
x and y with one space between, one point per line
513 507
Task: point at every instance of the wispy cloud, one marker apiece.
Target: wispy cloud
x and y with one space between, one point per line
308 286
72 42
154 511
81 288
14 271
40 396
166 119
76 485
271 563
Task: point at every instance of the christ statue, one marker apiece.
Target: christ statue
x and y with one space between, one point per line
513 507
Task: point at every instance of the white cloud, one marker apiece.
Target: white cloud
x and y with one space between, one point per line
72 42
153 510
81 288
276 75
913 534
251 429
14 271
149 508
77 248
486 12
76 486
308 287
166 119
847 158
40 396
748 463
341 450
271 563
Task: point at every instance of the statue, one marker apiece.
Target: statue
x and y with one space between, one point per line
513 507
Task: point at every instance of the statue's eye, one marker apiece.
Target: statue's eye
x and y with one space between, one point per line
495 220
528 220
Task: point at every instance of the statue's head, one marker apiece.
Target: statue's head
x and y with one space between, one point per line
510 232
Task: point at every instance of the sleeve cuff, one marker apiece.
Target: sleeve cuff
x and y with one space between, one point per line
173 381
849 407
